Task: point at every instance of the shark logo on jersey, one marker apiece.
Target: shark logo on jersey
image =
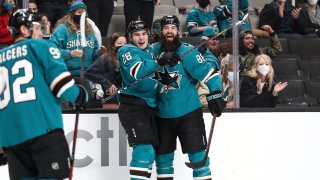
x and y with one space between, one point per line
170 80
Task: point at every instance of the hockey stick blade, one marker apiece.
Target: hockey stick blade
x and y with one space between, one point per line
201 163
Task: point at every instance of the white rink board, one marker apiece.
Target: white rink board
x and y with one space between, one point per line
245 146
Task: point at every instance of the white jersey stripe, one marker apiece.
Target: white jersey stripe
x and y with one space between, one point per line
58 78
65 87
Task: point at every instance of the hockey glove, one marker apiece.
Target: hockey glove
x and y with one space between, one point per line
3 159
216 104
168 58
83 97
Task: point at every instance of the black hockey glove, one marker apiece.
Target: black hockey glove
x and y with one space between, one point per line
216 104
202 49
3 159
168 58
83 97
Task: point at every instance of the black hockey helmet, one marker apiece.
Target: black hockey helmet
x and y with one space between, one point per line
135 26
22 17
170 19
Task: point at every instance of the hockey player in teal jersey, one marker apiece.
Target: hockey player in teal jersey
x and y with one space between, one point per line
223 12
200 18
137 102
178 111
67 37
31 127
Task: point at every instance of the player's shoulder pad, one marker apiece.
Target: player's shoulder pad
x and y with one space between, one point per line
128 48
186 45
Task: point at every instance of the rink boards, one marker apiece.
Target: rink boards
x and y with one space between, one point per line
245 146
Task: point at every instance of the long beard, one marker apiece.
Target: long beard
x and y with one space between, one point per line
170 45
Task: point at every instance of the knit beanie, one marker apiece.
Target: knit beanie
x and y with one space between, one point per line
77 5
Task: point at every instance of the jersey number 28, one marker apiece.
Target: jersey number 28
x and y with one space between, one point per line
18 95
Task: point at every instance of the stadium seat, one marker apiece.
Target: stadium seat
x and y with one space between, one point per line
165 10
310 69
167 2
117 24
313 89
259 4
118 10
306 48
286 69
295 95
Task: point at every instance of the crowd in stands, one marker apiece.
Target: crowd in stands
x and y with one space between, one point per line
204 22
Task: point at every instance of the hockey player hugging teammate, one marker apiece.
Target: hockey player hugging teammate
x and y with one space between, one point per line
178 111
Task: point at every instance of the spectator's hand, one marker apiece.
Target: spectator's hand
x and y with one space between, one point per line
267 28
76 53
212 23
281 9
168 58
156 2
259 86
83 97
112 89
216 104
3 159
103 49
279 87
295 13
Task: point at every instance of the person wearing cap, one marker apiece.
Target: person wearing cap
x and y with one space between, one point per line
200 18
179 112
223 12
248 49
67 38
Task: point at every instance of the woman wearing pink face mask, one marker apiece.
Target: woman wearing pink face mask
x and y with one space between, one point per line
258 88
309 19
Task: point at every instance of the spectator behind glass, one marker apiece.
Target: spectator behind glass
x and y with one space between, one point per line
248 49
282 17
33 6
47 30
7 9
133 9
257 87
55 9
223 13
309 19
67 38
200 18
105 70
100 12
227 80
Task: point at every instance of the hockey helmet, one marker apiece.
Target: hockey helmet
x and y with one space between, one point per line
22 17
135 26
170 19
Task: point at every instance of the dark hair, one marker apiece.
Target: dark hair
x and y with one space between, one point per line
111 48
223 49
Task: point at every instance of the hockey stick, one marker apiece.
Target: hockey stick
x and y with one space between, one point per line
75 132
204 160
182 56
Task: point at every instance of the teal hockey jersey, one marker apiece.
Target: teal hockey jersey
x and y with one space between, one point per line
36 77
197 18
67 42
181 97
135 63
223 14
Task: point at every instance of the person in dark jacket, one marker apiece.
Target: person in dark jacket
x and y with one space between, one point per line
105 70
257 87
282 17
309 19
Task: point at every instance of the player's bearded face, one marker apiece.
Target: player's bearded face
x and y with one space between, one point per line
170 37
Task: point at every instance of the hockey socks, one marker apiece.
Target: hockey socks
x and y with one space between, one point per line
202 173
142 160
164 165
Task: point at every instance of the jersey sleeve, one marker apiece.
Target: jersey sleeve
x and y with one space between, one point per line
202 70
57 76
134 63
58 37
192 20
